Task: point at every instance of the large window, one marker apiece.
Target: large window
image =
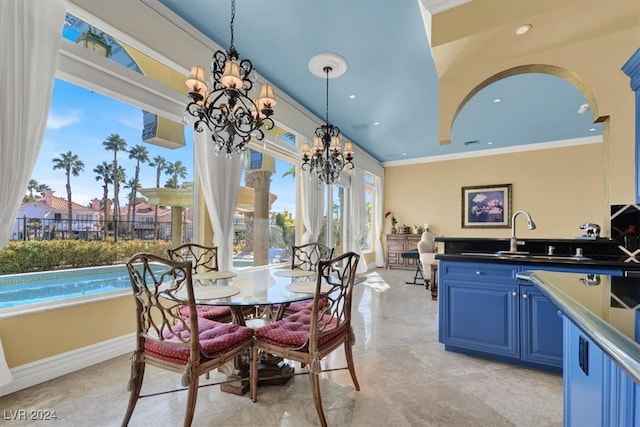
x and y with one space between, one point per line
75 126
371 200
266 237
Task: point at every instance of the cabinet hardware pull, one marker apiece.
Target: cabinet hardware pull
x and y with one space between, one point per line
478 273
525 296
514 293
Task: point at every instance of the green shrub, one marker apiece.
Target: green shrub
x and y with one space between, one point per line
42 255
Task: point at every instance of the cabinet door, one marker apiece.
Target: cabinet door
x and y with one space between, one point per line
395 246
541 328
480 317
584 379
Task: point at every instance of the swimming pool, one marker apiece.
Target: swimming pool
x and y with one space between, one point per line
33 288
26 289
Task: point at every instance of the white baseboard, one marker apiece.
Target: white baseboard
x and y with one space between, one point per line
37 372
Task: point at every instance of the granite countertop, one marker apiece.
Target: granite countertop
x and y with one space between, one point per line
601 252
608 311
540 259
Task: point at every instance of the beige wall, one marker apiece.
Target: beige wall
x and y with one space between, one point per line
560 187
36 336
597 60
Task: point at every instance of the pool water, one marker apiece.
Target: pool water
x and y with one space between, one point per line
32 288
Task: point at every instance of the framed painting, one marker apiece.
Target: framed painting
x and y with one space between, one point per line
486 206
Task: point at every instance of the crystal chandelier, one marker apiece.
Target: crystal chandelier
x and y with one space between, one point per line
224 106
326 159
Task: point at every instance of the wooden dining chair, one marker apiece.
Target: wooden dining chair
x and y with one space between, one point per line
190 346
203 259
308 337
306 257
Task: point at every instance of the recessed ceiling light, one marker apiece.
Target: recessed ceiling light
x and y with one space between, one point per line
523 29
376 123
490 143
352 96
592 130
497 100
404 154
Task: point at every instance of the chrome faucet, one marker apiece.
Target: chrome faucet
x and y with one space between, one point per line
513 242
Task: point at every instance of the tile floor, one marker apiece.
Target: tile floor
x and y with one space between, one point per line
406 379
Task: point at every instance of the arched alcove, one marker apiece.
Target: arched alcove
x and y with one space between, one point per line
525 105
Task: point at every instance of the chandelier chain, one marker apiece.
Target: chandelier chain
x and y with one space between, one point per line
327 70
233 18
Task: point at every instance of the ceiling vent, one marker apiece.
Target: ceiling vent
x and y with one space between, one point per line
361 126
475 141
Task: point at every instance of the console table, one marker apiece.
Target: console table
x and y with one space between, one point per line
397 244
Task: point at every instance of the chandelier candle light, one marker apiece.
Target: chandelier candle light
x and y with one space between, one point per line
224 105
326 158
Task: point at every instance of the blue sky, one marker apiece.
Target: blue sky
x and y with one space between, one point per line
79 120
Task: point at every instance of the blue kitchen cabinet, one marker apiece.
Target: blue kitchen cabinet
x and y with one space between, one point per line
596 390
484 311
583 380
540 328
480 317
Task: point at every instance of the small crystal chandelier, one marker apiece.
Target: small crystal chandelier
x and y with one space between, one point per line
223 105
327 159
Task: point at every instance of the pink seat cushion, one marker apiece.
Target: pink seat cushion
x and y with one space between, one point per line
293 332
215 338
298 306
207 311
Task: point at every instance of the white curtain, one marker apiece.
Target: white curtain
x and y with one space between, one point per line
29 41
312 207
220 179
357 225
377 224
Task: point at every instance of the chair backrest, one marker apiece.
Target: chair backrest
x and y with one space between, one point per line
331 311
307 256
203 258
160 286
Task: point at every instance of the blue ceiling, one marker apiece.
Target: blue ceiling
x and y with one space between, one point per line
391 73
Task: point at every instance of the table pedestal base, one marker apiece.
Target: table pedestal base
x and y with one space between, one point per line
270 372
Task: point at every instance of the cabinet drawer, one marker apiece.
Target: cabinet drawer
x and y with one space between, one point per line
479 271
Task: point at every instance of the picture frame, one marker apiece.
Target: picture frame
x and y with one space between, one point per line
486 206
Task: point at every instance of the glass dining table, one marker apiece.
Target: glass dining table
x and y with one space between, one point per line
254 294
256 297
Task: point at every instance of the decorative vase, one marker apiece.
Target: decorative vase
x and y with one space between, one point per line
393 230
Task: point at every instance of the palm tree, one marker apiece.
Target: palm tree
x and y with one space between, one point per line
132 185
104 174
42 188
115 143
290 172
31 187
121 179
72 164
141 155
160 163
175 170
35 187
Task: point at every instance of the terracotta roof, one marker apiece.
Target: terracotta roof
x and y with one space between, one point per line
144 208
58 203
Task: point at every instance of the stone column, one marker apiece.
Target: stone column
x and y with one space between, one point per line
176 226
262 182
